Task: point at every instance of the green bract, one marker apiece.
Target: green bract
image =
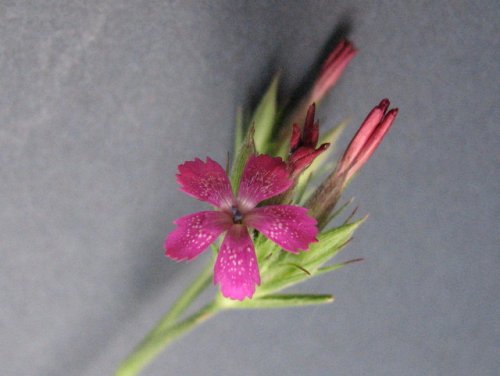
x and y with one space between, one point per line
280 269
264 118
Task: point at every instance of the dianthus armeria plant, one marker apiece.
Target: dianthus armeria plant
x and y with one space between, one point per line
272 225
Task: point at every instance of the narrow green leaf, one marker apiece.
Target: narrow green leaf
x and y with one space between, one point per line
267 252
214 248
287 277
334 133
264 117
238 136
279 301
339 210
247 148
301 186
300 268
331 268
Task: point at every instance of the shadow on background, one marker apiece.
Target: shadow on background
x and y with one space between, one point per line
288 101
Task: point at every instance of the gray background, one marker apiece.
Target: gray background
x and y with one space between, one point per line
100 101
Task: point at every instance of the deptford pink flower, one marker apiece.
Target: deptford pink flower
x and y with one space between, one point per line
303 144
236 268
367 138
332 69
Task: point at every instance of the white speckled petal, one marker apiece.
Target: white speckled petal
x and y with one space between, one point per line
263 177
206 181
288 226
236 268
194 233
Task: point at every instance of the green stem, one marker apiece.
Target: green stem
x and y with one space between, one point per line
152 345
165 331
185 300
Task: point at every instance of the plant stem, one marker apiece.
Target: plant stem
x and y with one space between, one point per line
152 345
165 331
185 300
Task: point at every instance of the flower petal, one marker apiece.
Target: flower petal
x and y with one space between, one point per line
194 233
288 226
206 181
263 177
304 157
236 268
311 129
295 138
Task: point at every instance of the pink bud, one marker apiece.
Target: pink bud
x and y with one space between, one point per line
311 129
303 145
366 140
362 146
332 69
295 139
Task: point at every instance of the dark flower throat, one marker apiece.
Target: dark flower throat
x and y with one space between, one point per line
237 216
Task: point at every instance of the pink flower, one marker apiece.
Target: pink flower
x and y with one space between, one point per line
332 69
368 137
303 144
236 268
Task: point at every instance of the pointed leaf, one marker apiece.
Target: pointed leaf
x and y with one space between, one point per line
265 116
238 135
214 248
333 134
340 210
300 188
287 277
264 247
279 301
246 149
331 268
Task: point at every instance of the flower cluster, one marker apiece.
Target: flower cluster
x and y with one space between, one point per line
264 205
244 209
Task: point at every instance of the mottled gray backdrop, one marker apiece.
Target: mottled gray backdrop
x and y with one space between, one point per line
101 100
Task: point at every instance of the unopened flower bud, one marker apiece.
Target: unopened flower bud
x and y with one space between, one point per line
329 74
368 137
360 149
303 150
332 69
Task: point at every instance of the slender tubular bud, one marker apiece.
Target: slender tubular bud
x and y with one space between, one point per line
332 69
330 72
360 149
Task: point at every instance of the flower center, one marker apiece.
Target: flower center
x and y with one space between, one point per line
236 214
